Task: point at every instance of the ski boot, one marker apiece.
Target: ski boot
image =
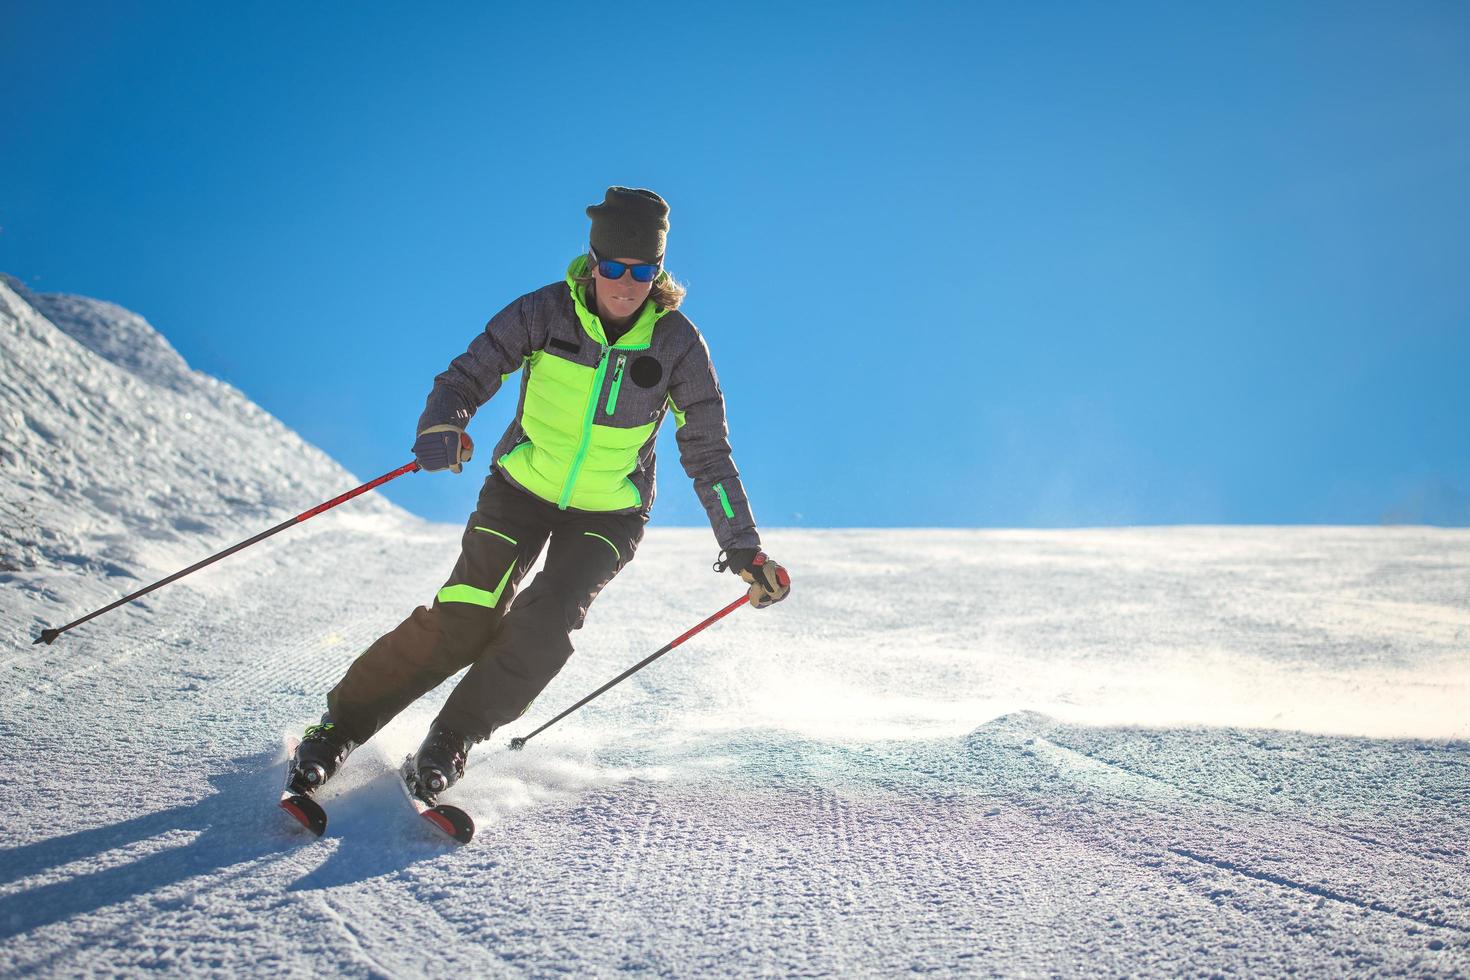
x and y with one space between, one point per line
321 753
440 760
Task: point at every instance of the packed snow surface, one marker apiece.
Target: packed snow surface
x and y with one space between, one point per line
1133 751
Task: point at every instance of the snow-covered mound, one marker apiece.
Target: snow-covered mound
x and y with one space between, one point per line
117 459
117 335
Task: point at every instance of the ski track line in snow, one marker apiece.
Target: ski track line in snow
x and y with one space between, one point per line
407 931
1145 855
1063 756
1103 767
1185 791
357 951
1317 891
1452 756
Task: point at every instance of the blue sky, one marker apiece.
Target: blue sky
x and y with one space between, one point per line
958 264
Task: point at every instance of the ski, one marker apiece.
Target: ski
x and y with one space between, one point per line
453 821
296 797
305 811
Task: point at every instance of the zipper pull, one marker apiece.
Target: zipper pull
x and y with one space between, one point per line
617 383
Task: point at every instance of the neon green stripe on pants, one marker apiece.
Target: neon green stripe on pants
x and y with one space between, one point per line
594 534
491 530
473 596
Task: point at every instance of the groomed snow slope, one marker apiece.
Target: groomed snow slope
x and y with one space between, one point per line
1196 750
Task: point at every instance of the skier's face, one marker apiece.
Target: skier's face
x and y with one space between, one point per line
619 299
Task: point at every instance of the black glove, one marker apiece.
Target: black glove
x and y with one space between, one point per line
443 446
769 582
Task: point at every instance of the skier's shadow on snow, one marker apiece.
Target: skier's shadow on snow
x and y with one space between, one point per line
237 825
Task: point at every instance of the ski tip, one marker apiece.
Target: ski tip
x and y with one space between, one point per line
453 821
306 812
516 744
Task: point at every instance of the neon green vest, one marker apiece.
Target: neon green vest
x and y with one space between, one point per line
569 458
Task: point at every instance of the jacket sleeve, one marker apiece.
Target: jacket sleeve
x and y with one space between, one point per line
474 376
704 448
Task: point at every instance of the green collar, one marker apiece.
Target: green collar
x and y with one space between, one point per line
639 335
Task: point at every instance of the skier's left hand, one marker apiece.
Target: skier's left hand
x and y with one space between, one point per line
769 582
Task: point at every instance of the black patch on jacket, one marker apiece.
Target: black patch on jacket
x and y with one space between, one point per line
647 371
565 345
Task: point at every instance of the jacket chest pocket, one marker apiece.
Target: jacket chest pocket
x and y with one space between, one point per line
634 390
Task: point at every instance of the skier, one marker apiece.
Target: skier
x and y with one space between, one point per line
605 354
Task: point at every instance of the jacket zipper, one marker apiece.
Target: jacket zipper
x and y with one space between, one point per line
612 398
566 488
724 500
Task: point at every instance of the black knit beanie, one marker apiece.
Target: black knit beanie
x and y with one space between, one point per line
630 223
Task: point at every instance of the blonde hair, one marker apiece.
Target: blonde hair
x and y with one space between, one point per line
667 292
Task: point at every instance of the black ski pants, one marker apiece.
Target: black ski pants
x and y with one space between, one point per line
513 644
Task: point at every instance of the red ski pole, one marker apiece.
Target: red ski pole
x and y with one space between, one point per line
520 743
48 636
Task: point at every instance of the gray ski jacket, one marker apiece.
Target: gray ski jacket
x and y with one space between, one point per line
589 411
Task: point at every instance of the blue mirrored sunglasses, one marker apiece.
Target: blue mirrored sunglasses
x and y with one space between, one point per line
608 269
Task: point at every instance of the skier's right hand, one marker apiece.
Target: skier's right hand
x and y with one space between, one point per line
769 582
443 446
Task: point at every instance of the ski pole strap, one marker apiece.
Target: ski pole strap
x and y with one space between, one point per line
520 743
48 636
